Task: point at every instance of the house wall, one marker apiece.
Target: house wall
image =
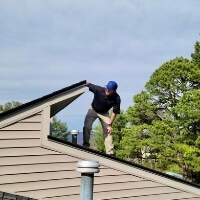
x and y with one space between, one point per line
19 144
31 169
24 133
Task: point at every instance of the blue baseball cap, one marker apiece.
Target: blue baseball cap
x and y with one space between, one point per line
112 85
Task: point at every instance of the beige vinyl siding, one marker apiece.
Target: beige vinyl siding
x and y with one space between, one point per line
27 125
21 133
19 143
172 196
109 193
24 133
52 184
44 174
53 176
25 151
37 168
113 190
28 169
17 160
138 194
59 179
24 126
43 182
33 119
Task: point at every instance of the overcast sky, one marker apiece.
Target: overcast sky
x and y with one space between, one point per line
46 45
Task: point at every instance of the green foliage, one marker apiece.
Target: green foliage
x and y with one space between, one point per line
172 79
196 55
9 105
146 143
171 146
162 128
164 122
131 143
188 112
118 126
59 129
174 168
99 139
143 111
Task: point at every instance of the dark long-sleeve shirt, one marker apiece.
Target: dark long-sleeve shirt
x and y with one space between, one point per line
103 103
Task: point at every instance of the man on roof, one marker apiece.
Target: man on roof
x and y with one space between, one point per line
104 99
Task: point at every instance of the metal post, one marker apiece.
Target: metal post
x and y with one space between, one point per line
74 134
87 169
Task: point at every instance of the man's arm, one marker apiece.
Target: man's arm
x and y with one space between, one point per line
112 118
92 88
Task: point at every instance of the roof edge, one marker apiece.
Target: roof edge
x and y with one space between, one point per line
125 162
26 105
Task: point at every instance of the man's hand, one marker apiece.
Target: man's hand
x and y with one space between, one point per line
87 83
109 129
